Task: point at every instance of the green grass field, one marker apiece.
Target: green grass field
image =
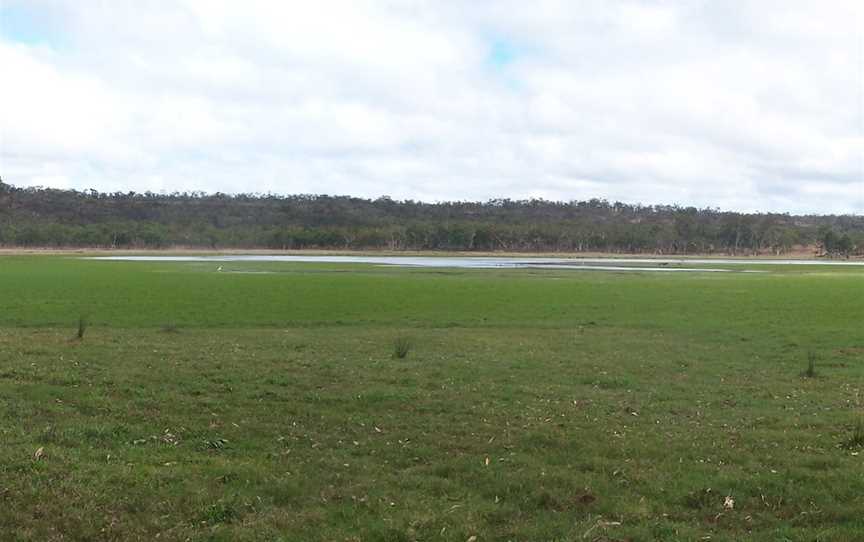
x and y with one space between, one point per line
533 405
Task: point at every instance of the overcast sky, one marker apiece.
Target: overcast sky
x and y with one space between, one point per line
750 105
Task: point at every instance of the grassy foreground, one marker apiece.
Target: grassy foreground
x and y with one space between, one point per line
532 405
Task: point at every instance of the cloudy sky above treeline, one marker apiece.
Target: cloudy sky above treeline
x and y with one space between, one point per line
744 105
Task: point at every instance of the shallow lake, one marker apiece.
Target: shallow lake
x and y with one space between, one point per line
467 262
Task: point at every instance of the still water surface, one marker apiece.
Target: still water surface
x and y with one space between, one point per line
466 262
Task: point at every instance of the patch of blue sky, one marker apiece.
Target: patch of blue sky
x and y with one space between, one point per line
502 54
21 23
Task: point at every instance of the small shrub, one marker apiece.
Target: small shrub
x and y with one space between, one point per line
401 347
82 327
857 439
810 371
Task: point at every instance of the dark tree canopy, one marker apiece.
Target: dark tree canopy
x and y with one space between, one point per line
44 217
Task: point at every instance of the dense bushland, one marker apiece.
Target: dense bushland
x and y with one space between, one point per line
32 217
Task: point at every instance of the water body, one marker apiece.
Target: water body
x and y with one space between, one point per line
467 262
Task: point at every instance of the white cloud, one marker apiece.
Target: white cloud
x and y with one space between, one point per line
742 105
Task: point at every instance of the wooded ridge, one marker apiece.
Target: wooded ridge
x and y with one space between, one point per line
45 217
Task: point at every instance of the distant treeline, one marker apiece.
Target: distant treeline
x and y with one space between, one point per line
42 217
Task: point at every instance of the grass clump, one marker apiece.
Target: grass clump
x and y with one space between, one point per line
810 371
82 327
220 512
401 347
856 440
170 327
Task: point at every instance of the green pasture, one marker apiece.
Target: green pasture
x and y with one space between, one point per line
264 402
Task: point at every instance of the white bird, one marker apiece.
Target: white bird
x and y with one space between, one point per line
219 268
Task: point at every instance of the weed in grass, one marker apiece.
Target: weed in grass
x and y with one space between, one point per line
699 499
401 347
216 444
49 435
82 327
220 512
810 371
856 440
170 327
